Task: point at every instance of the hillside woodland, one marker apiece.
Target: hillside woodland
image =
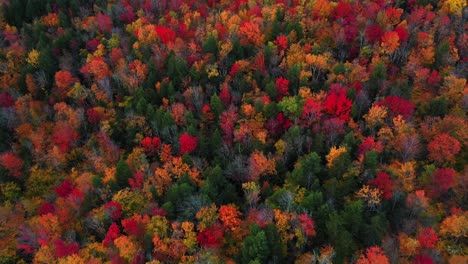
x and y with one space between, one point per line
248 131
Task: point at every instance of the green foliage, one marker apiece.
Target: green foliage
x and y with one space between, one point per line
176 68
306 172
290 106
255 248
216 105
41 182
293 77
211 46
438 107
217 188
122 173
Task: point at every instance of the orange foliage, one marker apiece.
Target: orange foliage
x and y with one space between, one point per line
250 33
260 165
390 42
229 216
373 255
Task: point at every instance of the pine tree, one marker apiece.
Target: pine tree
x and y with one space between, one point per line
255 247
122 174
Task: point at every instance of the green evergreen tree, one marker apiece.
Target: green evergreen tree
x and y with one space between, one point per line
217 188
122 173
255 247
211 46
216 105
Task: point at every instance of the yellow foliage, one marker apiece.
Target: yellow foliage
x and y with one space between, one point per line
226 47
282 224
407 245
33 58
206 217
294 56
372 196
317 61
334 154
127 247
45 254
454 89
158 226
376 116
405 172
455 225
305 92
280 147
72 259
455 6
109 174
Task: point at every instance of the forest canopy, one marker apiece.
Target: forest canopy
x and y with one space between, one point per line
247 131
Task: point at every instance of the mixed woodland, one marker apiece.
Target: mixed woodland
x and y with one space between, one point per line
247 131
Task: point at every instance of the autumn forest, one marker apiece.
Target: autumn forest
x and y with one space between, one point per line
246 131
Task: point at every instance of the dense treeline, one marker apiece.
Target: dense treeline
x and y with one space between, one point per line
233 131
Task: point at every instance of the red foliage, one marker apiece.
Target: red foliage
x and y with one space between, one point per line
333 127
166 35
151 145
221 30
227 121
64 136
402 32
211 237
422 260
307 224
443 179
434 79
137 181
225 96
369 144
63 250
279 124
398 106
374 33
282 87
338 105
281 42
443 148
351 32
428 238
94 116
383 183
6 100
133 226
92 45
112 233
188 143
234 69
342 10
12 163
159 211
129 16
46 208
65 189
104 23
114 209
